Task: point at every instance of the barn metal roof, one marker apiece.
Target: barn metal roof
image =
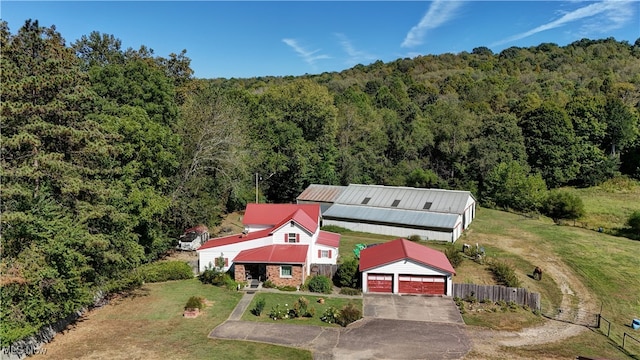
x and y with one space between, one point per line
422 219
406 198
321 193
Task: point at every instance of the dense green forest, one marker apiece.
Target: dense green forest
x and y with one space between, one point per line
108 153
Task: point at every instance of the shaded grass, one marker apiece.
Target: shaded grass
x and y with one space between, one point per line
287 301
149 325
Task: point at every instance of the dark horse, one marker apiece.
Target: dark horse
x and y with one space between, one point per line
537 273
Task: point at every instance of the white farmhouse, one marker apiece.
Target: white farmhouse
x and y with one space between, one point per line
281 243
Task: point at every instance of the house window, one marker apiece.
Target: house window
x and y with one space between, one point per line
285 271
291 237
426 206
366 201
395 203
324 253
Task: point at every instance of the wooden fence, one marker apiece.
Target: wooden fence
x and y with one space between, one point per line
495 293
327 270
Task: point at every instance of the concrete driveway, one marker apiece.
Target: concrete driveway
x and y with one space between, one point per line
414 308
394 327
365 339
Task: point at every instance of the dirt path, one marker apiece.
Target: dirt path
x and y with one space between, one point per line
576 302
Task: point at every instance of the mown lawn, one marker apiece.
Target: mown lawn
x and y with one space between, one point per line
286 301
149 325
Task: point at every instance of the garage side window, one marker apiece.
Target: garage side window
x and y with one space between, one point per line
285 271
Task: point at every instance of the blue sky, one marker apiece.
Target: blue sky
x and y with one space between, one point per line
244 39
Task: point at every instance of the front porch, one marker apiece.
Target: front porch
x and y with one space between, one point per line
279 274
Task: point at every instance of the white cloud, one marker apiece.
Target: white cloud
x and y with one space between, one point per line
599 17
310 57
354 56
439 13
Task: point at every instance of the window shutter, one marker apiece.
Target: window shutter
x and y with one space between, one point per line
297 238
329 254
226 262
319 253
286 237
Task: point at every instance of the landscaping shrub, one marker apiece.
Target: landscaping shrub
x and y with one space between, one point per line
414 238
212 276
319 284
349 314
634 221
194 302
257 310
455 257
350 291
301 309
563 205
165 271
504 274
287 288
268 284
278 313
330 315
348 274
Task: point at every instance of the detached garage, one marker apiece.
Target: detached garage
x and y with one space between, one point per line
404 267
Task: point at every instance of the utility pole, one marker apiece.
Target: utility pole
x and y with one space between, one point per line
256 188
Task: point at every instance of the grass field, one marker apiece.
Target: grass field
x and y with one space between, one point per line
149 325
608 266
608 205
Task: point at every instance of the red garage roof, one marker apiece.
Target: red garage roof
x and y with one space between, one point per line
277 214
274 254
233 239
329 239
401 249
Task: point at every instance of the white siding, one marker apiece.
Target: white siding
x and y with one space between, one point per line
396 231
318 260
206 257
279 234
469 212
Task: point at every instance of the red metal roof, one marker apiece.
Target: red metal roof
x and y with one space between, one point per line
401 249
233 239
274 254
274 214
302 219
329 239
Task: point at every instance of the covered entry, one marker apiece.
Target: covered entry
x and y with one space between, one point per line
417 284
382 283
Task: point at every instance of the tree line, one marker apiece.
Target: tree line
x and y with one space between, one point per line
109 153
